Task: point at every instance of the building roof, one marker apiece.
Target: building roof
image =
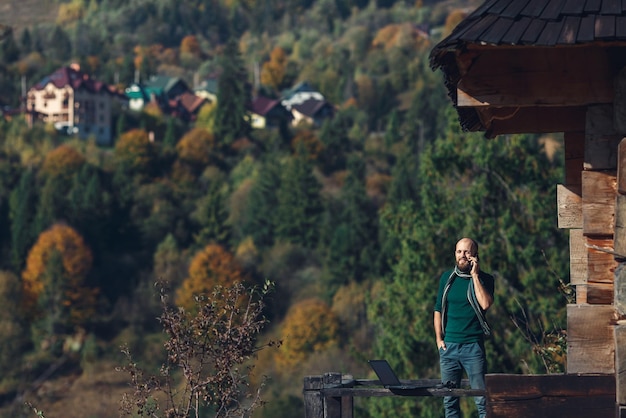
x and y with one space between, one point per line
189 101
540 23
525 37
262 105
312 107
76 79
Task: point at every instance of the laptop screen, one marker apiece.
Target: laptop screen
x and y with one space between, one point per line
385 373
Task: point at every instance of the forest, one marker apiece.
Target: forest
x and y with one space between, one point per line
347 225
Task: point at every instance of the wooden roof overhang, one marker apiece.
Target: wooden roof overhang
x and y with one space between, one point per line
527 66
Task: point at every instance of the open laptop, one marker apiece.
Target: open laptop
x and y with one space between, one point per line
388 377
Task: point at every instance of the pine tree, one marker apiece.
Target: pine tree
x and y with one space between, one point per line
352 250
299 207
211 216
260 215
233 97
22 208
52 204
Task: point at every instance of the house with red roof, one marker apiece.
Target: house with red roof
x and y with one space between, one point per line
266 113
74 103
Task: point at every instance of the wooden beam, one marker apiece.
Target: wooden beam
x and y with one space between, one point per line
590 339
621 166
601 138
564 88
578 259
595 293
598 195
600 259
535 120
574 150
569 206
619 101
620 363
522 77
534 396
619 235
620 291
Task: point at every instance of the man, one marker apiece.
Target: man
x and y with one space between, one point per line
465 294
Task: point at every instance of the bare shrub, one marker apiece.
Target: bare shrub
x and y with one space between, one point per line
209 358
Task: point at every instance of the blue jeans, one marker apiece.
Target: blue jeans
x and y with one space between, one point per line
456 358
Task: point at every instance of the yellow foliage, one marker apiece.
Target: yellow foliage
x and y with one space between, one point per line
93 61
153 109
62 161
310 326
273 71
75 255
190 46
404 35
196 146
210 267
134 148
70 12
206 117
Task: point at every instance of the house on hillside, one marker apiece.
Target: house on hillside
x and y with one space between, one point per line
75 103
307 105
171 94
268 113
186 106
207 88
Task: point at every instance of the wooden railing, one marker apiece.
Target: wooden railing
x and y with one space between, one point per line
508 396
332 394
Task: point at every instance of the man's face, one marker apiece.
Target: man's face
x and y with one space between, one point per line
463 250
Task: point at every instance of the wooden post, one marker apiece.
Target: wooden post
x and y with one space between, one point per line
332 405
313 400
319 405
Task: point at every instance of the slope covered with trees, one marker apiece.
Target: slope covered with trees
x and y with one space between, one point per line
352 220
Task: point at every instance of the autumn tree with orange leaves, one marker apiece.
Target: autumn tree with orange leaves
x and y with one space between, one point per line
310 326
54 291
194 151
210 267
62 161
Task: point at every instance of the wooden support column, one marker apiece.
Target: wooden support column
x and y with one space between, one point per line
313 400
591 321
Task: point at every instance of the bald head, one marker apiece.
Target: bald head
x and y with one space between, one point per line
465 249
468 244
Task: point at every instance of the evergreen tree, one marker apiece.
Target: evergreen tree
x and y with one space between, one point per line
404 179
352 250
60 45
299 206
52 204
211 216
26 41
12 325
233 97
260 210
89 206
392 132
22 208
9 51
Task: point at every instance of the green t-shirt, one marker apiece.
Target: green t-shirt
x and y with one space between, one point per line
462 325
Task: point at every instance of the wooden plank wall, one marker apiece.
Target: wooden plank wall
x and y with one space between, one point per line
587 208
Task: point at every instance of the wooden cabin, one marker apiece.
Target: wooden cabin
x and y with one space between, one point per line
546 66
